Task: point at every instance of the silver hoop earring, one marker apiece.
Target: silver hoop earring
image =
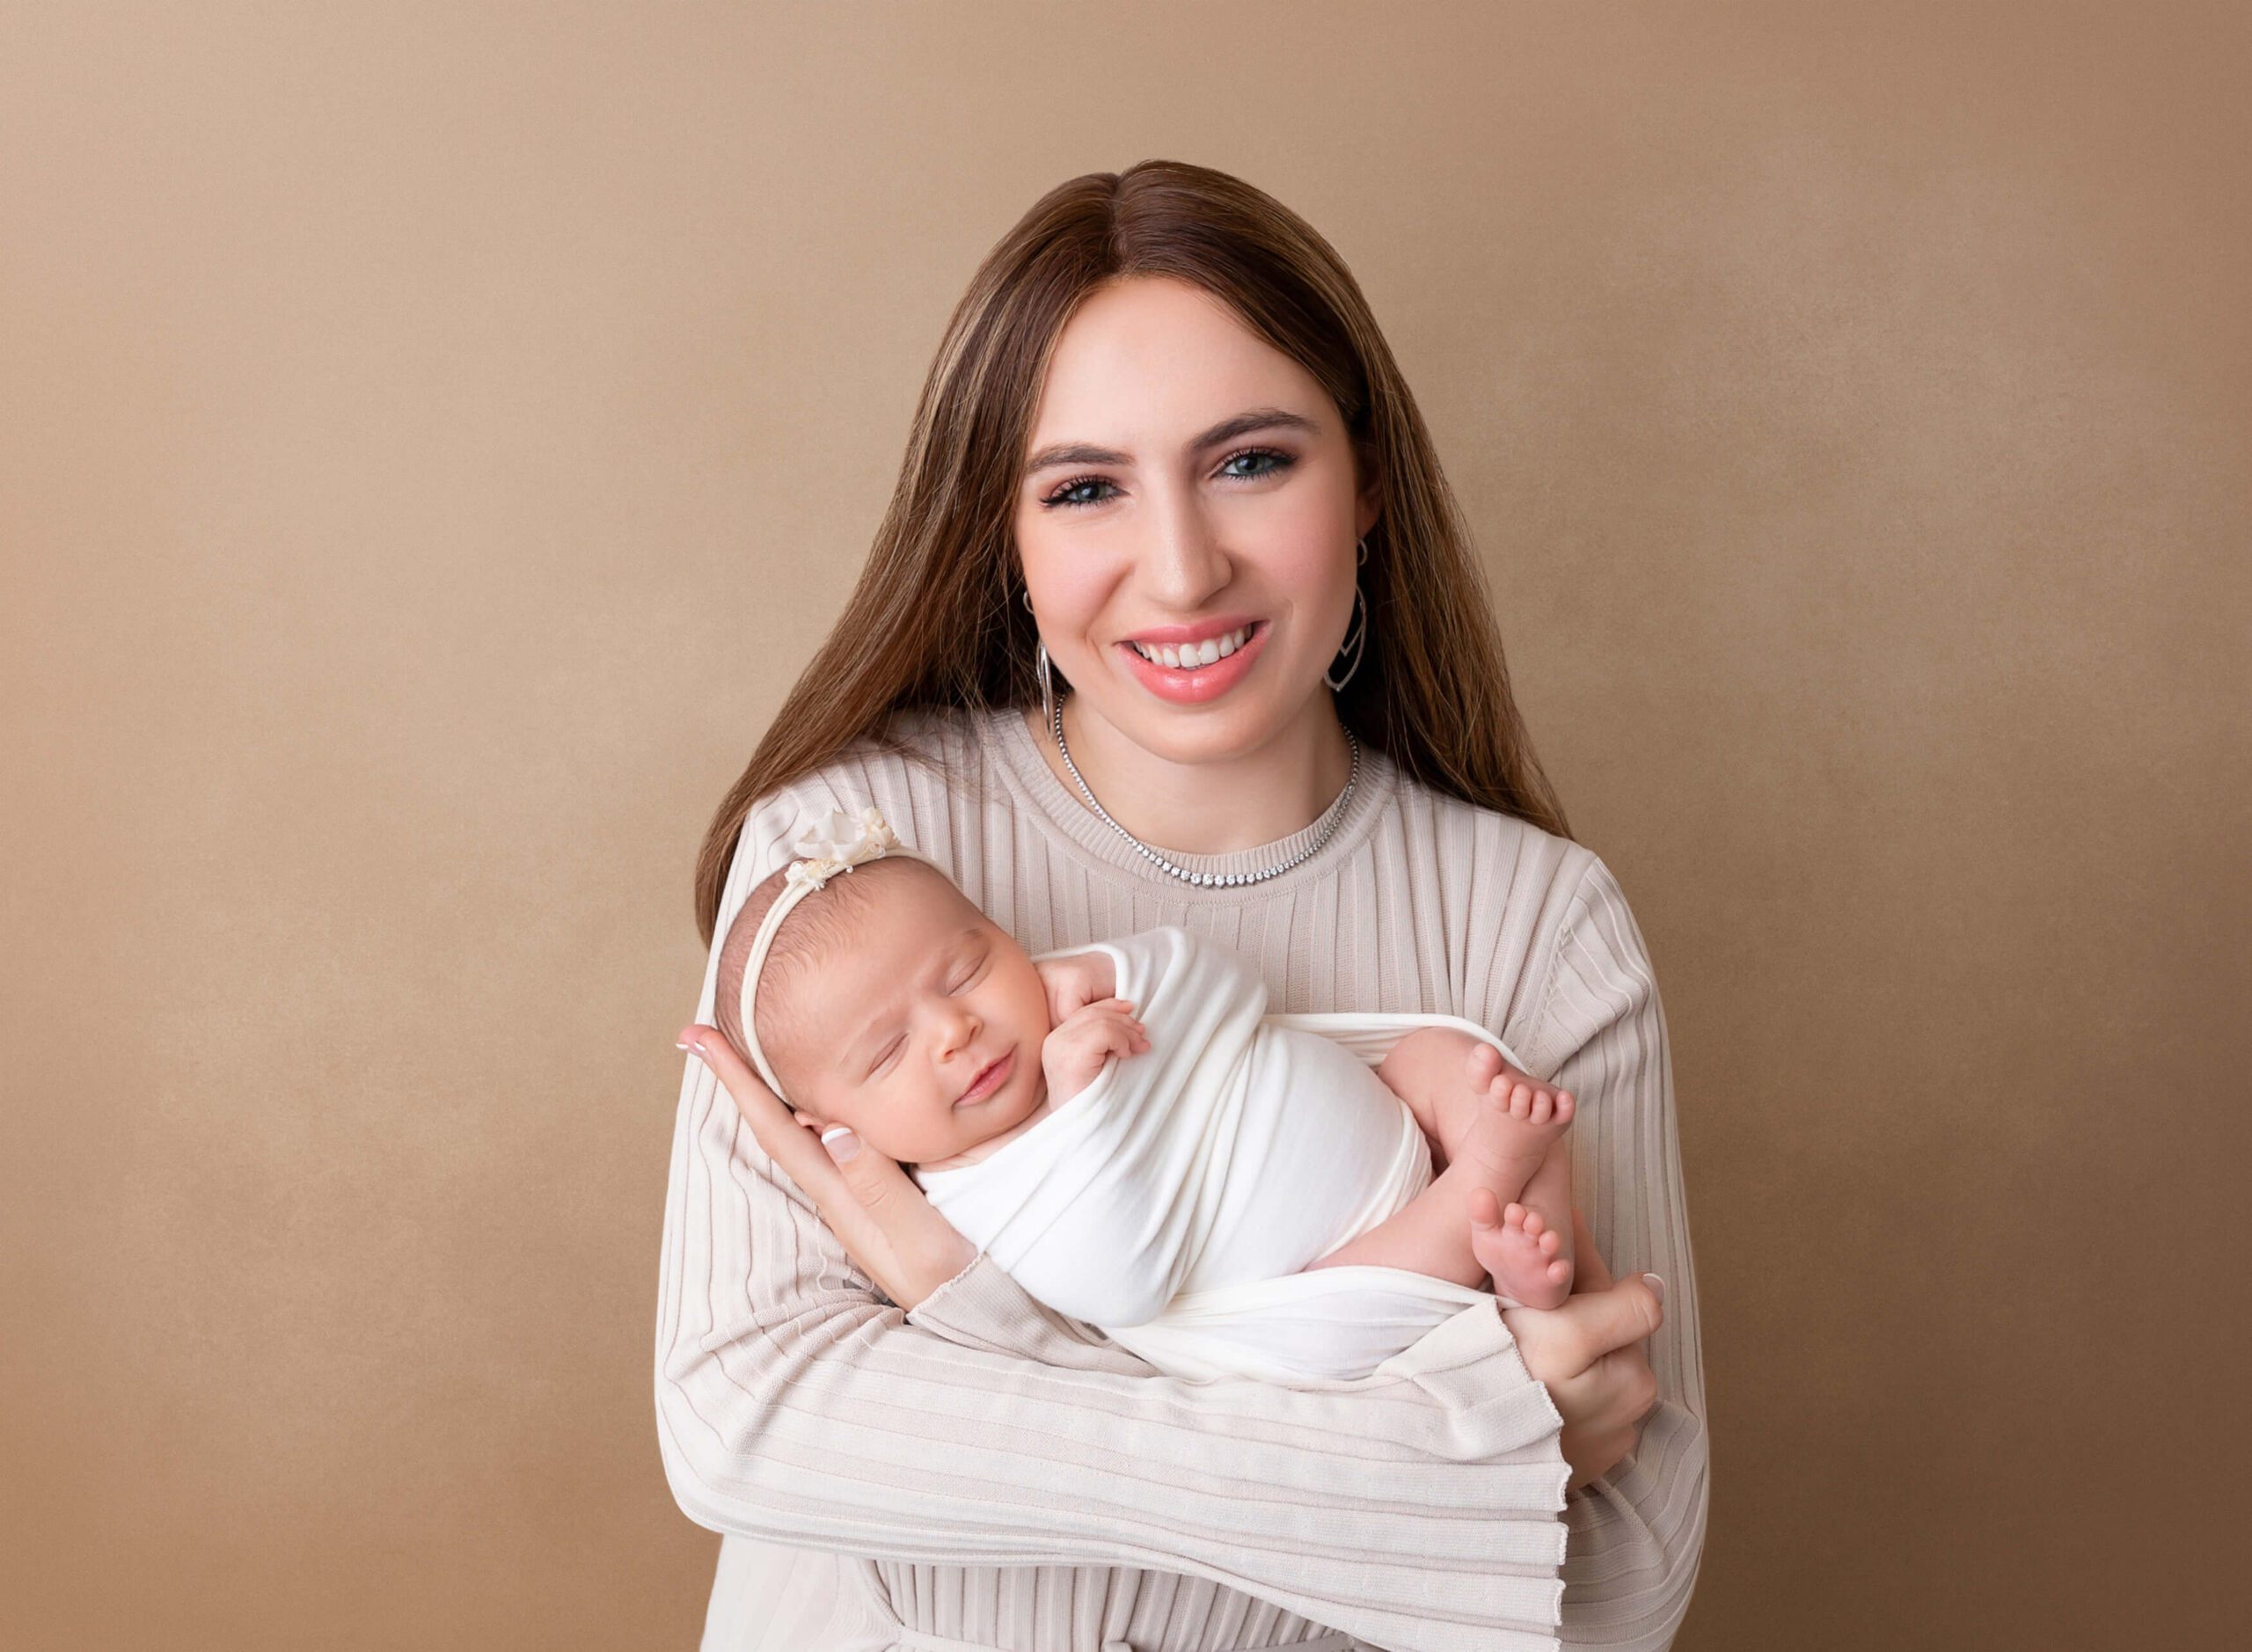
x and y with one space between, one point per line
1356 634
1041 668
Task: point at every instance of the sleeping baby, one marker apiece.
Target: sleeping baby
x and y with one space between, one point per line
1130 1133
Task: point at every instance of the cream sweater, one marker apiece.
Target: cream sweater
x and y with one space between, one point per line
985 1472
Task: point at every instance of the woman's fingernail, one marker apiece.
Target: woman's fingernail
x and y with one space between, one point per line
840 1142
1656 1285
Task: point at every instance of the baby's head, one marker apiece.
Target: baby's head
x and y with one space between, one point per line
884 997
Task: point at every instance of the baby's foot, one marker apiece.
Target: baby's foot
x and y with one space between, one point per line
1518 1117
1523 1253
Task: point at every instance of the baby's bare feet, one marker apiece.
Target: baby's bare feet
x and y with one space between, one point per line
1524 1255
1517 1118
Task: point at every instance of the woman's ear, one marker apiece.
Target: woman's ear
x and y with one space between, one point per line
1369 501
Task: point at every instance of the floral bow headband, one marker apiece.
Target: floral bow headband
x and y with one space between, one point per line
835 843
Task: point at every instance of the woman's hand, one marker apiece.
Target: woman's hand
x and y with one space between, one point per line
895 1234
1593 1354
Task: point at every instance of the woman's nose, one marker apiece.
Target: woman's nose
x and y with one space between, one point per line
1183 564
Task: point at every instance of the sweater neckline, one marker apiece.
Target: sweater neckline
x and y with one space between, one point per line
1008 740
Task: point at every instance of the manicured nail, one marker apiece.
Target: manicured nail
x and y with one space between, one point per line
840 1142
1656 1285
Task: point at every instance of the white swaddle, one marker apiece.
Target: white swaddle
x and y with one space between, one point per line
1174 1202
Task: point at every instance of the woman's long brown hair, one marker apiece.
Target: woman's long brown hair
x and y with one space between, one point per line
1432 690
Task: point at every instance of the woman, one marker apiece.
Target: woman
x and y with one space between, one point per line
1162 419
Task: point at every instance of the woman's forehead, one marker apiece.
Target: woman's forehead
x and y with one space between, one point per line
1152 362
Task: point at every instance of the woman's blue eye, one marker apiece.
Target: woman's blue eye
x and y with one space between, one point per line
1063 495
1274 463
1282 462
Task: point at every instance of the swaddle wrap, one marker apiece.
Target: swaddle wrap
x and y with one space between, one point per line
1173 1202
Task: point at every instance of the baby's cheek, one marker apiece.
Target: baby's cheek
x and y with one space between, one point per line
844 1104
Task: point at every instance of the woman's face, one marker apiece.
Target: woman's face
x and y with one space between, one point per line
1187 486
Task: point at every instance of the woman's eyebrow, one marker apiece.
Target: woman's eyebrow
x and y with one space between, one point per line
1226 430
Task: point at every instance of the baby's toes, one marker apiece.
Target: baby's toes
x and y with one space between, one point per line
1517 1214
1544 1106
1559 1273
1565 1107
1521 1102
1535 1225
1483 1064
1550 1242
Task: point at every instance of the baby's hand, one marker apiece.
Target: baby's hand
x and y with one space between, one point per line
1075 1054
1075 982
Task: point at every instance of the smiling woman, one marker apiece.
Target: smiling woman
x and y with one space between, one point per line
1166 475
1129 533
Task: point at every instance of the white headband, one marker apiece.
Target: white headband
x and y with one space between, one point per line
835 843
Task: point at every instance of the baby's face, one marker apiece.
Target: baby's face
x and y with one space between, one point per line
929 999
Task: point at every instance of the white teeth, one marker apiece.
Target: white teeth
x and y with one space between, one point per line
1209 652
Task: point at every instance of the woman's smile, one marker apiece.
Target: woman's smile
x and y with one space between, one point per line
1194 664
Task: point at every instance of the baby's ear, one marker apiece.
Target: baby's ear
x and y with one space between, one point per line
805 1117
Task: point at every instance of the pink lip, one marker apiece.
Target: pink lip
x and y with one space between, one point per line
1204 628
989 1080
1204 681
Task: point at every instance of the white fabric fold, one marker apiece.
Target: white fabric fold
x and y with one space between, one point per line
1175 1203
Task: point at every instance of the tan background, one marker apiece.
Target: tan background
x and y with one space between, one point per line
434 435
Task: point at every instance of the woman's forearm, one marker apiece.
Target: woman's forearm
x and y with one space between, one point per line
1418 1508
1638 1531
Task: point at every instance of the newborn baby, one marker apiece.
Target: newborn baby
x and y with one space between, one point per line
1129 1134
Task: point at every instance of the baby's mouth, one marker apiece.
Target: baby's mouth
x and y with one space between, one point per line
989 1080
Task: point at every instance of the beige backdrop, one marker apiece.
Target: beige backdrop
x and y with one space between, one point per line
436 434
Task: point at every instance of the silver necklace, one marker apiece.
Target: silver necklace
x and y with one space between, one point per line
1209 880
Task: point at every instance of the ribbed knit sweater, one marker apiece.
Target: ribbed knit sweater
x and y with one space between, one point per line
982 1472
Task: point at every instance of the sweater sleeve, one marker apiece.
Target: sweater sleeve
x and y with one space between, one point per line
1416 1508
1637 1533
